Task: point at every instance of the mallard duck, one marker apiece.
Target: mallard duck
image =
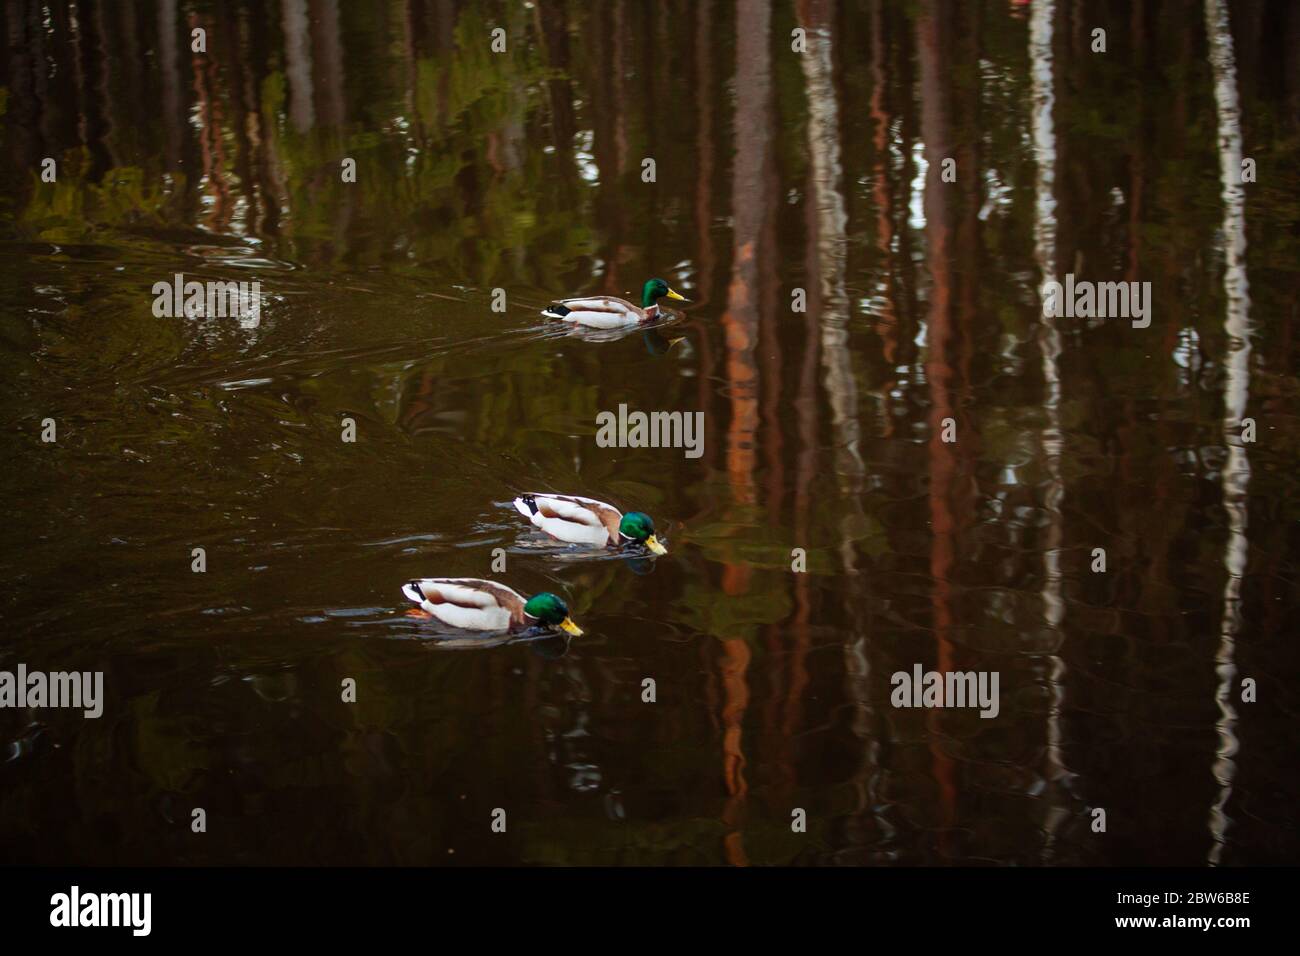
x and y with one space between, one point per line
587 521
477 605
608 312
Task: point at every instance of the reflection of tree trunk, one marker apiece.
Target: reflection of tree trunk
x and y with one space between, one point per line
933 57
1044 137
442 18
806 465
1292 42
1137 164
23 35
134 67
297 58
268 170
772 437
607 107
554 31
231 63
333 106
101 45
1236 393
619 248
212 145
750 205
829 300
967 241
512 133
1155 596
886 320
54 75
902 76
749 209
824 147
704 203
773 441
805 405
505 145
658 85
704 148
620 90
88 71
735 688
410 73
327 58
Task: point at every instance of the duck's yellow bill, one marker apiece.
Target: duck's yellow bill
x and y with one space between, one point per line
653 544
568 627
679 298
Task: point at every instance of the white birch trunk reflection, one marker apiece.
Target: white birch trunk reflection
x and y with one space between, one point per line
1236 390
1049 339
828 224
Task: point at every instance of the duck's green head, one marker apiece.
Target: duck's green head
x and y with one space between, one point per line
548 609
637 526
656 289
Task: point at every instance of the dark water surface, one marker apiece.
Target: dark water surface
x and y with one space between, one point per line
775 171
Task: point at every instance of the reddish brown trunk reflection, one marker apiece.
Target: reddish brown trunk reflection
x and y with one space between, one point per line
932 53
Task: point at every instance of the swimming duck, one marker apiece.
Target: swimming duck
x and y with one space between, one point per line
587 521
608 312
477 605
